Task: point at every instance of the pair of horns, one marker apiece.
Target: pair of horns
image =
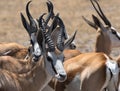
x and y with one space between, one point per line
97 22
48 39
100 13
32 26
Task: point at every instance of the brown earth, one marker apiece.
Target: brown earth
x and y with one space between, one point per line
11 28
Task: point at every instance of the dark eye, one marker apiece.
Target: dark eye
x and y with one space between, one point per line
64 57
113 31
49 58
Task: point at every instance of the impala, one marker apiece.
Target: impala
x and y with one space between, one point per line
107 34
111 38
13 49
45 64
19 51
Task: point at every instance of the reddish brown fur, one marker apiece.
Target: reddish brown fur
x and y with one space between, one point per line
28 81
13 49
90 66
14 65
68 53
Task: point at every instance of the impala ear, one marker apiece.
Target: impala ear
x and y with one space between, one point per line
25 23
70 40
90 23
98 23
100 12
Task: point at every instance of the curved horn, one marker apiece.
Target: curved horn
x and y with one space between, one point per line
47 37
32 21
101 14
50 12
61 37
54 24
61 24
27 11
40 20
50 7
60 42
39 32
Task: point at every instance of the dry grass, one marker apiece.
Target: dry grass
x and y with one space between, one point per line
11 29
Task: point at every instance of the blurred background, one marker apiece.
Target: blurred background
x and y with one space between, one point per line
12 30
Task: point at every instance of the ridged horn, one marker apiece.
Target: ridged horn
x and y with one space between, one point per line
47 37
32 21
50 8
61 39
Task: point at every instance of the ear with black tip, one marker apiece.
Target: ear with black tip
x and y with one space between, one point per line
90 23
96 20
70 40
98 23
25 23
100 12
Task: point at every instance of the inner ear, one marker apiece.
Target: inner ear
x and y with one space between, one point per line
99 24
96 21
25 23
90 23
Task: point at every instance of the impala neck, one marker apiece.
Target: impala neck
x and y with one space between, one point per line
36 79
103 44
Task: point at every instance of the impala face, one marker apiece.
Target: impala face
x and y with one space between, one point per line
57 65
52 61
108 31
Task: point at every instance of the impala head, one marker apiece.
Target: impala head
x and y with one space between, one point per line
53 29
59 34
42 44
32 30
55 52
107 29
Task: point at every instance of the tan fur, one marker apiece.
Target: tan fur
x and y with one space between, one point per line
69 53
90 66
13 49
31 80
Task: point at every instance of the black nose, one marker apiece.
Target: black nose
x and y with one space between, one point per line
62 77
35 58
72 46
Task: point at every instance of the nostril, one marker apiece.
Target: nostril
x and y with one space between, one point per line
72 46
63 77
35 58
